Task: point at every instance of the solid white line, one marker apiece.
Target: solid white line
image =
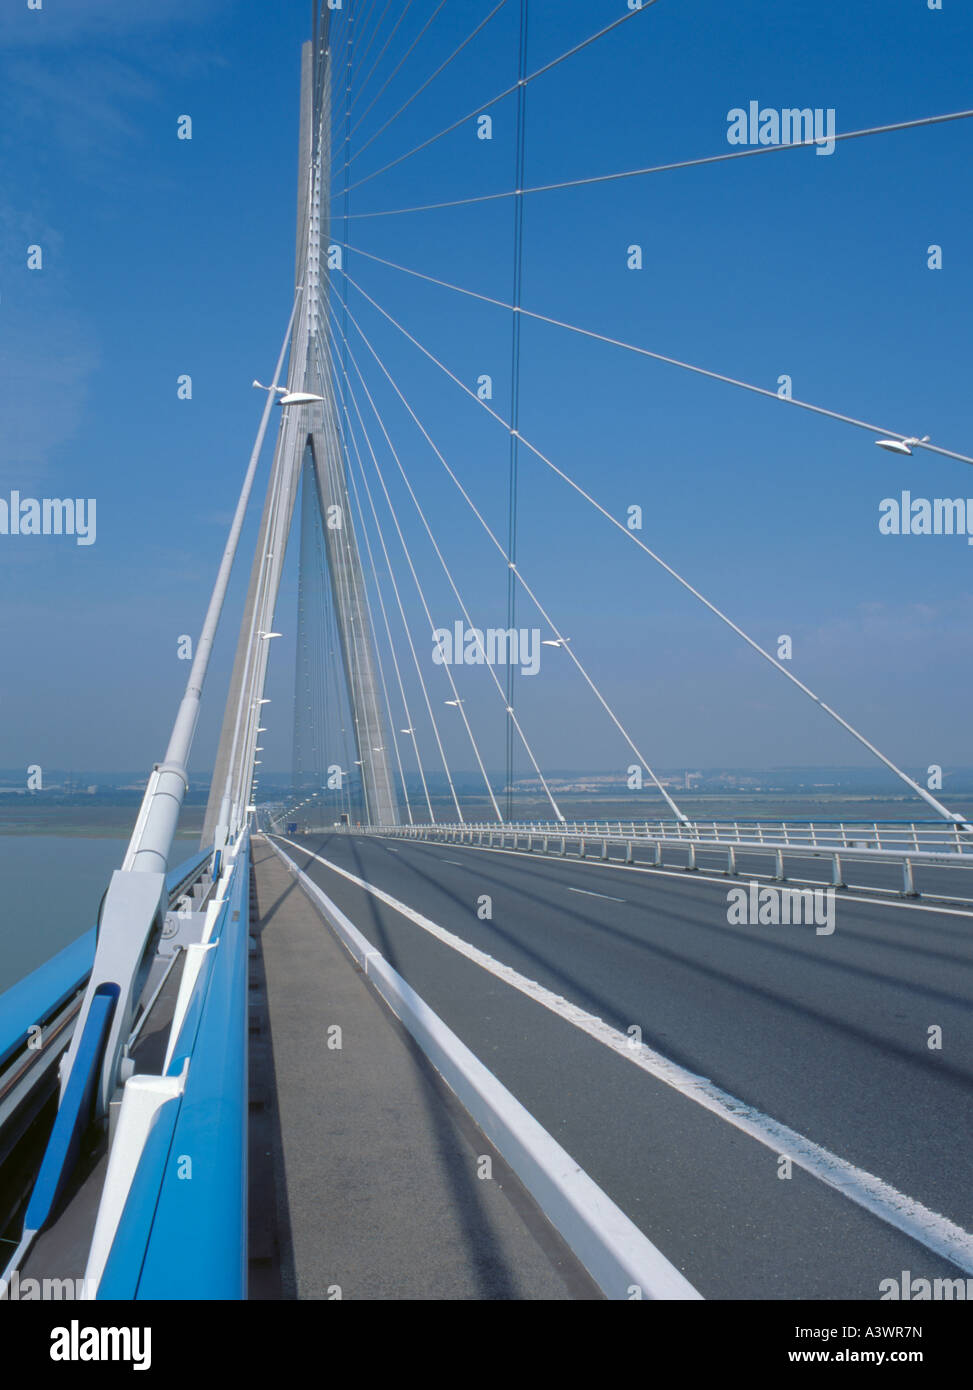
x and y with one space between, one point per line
929 1228
589 894
619 1257
700 875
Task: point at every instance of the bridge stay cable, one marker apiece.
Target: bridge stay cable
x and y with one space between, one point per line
707 603
398 67
375 31
644 170
320 722
368 76
531 77
407 630
354 599
429 80
562 641
435 727
457 701
345 434
520 311
364 598
385 620
339 694
459 598
517 290
320 622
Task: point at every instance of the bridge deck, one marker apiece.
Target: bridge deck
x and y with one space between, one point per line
823 1033
372 1172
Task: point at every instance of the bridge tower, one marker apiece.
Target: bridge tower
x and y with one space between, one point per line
308 433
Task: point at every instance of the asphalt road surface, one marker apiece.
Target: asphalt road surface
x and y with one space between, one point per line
827 1033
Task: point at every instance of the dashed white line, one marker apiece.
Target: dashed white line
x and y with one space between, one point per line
588 894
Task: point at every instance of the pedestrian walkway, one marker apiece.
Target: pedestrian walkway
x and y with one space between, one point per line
364 1166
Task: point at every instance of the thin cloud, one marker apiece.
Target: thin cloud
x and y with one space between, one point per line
74 21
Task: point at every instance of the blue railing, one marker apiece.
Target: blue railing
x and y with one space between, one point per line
41 993
183 1232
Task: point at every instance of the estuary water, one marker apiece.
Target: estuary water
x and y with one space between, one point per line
50 889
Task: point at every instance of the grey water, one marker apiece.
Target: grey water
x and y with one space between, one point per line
50 890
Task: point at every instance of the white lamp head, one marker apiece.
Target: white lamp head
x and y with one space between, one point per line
901 446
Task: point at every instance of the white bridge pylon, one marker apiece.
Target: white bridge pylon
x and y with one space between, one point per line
307 431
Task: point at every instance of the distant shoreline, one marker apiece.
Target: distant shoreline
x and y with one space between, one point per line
105 820
100 822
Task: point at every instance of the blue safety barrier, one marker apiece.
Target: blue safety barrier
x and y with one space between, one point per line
124 1266
194 1185
43 991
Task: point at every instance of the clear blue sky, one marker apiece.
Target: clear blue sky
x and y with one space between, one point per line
164 257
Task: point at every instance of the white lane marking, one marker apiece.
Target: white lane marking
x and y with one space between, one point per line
458 862
697 875
588 894
610 1246
929 1228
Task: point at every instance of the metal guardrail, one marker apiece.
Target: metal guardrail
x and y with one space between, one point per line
903 845
896 838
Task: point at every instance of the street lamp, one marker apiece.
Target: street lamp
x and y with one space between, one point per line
290 397
901 446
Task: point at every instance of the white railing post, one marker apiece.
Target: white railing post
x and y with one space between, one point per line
908 880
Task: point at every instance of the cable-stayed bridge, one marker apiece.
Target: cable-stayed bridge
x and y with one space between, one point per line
652 1057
